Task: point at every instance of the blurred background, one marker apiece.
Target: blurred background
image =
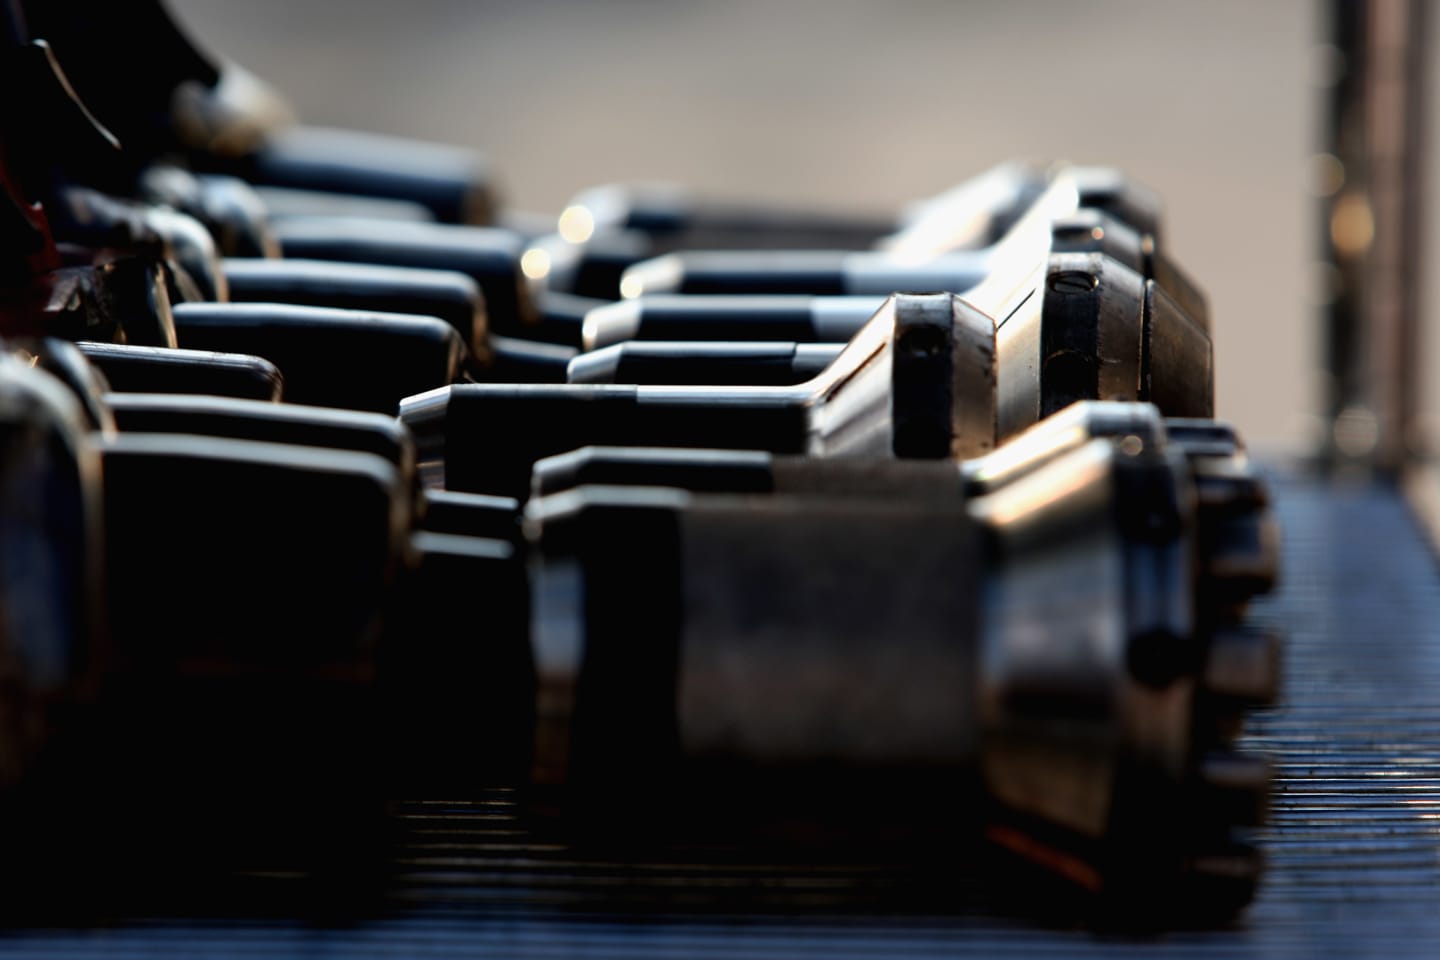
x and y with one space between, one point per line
864 104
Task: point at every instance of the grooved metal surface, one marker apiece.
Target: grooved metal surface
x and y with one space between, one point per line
1354 845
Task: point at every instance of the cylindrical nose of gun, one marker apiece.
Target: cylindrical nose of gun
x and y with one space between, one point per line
450 296
329 357
490 257
1162 646
130 369
799 319
454 184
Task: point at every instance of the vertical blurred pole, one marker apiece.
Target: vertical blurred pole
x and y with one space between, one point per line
1373 218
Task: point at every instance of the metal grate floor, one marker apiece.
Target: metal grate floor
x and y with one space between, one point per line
1354 844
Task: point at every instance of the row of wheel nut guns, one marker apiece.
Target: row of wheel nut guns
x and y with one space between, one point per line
325 481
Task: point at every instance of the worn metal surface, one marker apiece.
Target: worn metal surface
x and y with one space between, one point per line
1354 845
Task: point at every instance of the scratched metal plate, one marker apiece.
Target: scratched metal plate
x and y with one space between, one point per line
1354 845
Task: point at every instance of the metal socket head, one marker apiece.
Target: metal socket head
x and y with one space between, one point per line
1099 673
